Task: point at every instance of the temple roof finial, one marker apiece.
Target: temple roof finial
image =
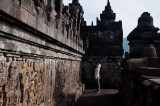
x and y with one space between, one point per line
108 13
108 4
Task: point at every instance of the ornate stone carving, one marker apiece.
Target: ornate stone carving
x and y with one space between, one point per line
33 72
29 82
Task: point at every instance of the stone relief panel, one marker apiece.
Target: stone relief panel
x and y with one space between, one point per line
13 86
35 82
49 81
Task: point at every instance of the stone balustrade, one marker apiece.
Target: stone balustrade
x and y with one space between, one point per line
141 85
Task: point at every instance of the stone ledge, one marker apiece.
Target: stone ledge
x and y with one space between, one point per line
148 71
23 46
51 34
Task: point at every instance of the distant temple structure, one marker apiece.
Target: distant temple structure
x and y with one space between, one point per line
104 44
105 39
141 66
144 34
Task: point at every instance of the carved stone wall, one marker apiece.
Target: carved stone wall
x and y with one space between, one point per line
39 62
26 81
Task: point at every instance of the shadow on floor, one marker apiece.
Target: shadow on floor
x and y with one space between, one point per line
107 97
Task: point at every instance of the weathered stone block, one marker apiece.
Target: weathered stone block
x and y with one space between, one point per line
24 14
2 45
9 46
32 20
16 9
39 25
4 4
5 27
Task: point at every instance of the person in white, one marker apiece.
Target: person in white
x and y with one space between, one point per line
97 76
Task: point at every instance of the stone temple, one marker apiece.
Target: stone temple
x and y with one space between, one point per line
144 34
104 45
48 55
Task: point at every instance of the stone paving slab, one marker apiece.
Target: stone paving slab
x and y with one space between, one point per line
107 97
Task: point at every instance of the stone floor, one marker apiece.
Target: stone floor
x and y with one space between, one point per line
107 97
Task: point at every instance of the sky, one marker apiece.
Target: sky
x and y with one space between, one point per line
126 10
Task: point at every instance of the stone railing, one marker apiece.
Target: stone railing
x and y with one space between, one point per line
141 84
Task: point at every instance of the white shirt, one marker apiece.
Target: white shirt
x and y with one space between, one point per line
97 71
